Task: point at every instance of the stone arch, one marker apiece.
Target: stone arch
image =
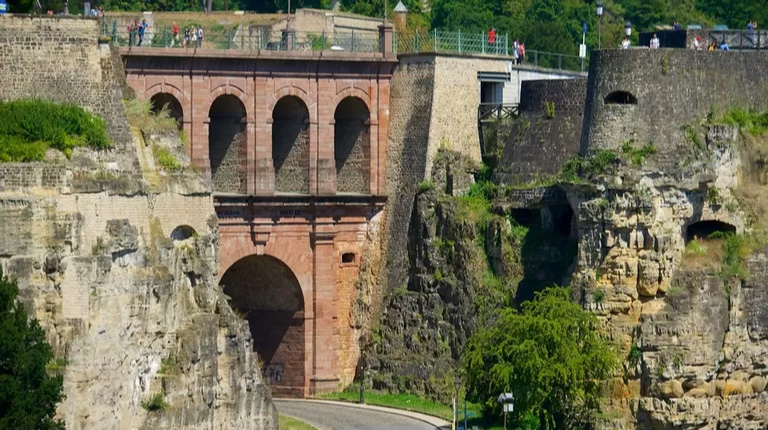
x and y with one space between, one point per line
620 98
703 229
162 100
267 293
227 143
290 145
352 146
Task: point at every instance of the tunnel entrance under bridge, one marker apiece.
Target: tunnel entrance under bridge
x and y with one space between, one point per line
267 294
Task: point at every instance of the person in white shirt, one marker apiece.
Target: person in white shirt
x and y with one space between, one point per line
200 37
625 43
697 43
655 44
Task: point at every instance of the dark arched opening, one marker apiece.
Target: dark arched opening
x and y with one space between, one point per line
167 101
227 144
352 146
266 292
620 98
182 232
705 229
290 145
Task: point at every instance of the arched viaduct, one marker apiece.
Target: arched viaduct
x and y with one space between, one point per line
295 144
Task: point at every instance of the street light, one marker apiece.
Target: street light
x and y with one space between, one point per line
628 28
599 22
457 385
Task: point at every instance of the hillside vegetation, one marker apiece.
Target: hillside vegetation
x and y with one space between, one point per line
28 128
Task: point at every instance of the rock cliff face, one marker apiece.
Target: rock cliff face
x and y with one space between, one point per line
121 271
686 311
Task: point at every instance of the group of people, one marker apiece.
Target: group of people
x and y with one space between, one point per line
136 32
518 48
193 36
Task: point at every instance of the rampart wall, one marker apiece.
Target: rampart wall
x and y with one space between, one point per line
547 132
59 59
668 89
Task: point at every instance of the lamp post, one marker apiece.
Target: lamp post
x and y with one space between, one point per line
599 23
457 385
628 28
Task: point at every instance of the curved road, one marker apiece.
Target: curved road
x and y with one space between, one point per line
326 415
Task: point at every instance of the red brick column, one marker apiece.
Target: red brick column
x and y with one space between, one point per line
324 376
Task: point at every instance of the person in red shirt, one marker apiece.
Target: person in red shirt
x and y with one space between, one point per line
175 40
492 36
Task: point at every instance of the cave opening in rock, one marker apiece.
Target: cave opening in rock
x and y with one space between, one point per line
266 292
620 98
704 229
182 232
226 144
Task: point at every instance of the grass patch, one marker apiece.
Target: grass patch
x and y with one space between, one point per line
703 253
165 159
580 168
637 155
29 127
725 252
141 115
155 403
409 402
752 121
288 423
425 186
56 366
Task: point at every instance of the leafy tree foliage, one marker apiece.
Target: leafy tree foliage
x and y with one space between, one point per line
551 355
28 394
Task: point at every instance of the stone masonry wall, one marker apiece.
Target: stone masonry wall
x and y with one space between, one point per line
59 59
291 156
353 149
228 157
673 87
540 142
411 106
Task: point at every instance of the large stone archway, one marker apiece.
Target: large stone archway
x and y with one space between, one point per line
227 144
267 293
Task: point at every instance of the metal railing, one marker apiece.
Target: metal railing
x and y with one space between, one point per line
478 43
740 39
244 38
487 112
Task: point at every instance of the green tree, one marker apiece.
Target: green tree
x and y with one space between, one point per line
551 355
28 394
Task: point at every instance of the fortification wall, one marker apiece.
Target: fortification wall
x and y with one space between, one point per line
543 138
59 59
411 101
672 88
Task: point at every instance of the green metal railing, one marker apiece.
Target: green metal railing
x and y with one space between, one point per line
478 43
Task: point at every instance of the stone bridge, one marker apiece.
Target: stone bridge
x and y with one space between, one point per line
295 144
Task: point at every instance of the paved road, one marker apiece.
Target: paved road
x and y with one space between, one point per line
338 416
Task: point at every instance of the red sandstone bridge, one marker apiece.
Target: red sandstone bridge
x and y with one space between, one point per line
295 144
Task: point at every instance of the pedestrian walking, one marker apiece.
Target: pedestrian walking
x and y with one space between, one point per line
194 37
655 43
697 43
200 37
492 36
186 37
521 58
142 29
175 40
625 43
516 51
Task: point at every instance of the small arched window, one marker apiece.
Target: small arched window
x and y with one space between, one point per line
182 232
620 98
